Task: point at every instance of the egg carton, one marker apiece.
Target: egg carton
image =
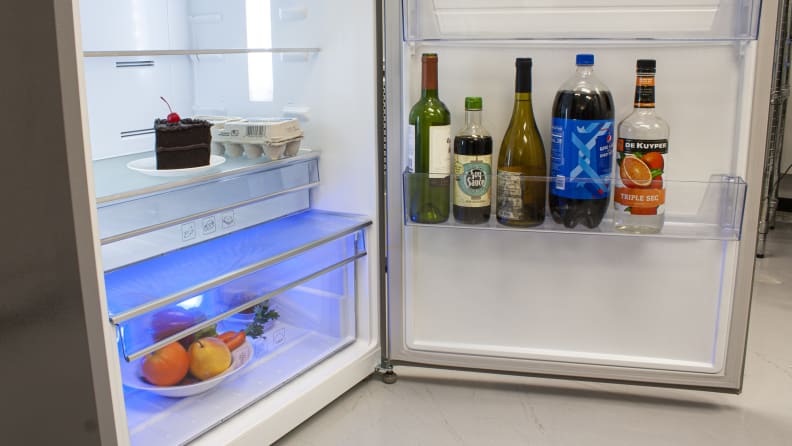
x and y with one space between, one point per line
257 130
274 150
218 122
274 138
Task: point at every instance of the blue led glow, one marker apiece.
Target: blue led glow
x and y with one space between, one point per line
140 283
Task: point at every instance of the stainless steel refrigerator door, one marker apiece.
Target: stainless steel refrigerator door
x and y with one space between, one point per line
456 319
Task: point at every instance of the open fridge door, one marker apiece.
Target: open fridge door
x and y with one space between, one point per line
665 309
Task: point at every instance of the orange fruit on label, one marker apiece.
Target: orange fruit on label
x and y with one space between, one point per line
657 182
635 173
654 160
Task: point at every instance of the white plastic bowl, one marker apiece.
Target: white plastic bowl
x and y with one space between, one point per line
132 377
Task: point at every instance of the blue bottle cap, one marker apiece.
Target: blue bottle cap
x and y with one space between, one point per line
584 59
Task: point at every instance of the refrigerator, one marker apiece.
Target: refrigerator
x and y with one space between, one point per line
322 236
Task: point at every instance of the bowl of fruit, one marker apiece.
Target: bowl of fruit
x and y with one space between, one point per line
175 371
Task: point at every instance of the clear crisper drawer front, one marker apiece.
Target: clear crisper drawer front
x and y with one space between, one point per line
168 297
143 204
316 320
582 19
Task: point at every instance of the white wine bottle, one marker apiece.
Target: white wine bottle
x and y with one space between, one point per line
522 160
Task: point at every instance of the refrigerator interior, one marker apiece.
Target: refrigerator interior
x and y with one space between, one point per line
297 233
536 300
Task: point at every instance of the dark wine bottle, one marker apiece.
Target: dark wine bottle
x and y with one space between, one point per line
472 167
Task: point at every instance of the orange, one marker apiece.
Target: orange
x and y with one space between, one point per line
635 173
166 366
654 160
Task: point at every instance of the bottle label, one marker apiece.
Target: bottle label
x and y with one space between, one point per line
640 190
439 151
473 176
510 196
411 149
581 158
645 91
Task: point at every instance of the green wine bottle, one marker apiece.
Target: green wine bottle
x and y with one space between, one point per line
429 152
521 195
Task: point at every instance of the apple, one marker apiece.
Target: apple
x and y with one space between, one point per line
171 321
209 357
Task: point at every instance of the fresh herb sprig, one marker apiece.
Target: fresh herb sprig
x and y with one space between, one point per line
261 315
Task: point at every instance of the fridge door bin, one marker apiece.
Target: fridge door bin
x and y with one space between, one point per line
564 19
317 319
710 209
166 298
130 204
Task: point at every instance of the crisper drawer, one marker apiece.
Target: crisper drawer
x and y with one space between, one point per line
165 298
316 320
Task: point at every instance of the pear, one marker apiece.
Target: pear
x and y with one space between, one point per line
209 357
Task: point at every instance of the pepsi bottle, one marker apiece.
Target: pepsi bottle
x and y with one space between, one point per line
582 148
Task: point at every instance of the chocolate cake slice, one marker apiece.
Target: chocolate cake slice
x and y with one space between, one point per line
183 144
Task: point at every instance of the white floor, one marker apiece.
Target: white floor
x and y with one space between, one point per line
427 407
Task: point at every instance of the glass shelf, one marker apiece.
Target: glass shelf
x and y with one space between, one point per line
196 52
702 20
711 210
210 281
131 203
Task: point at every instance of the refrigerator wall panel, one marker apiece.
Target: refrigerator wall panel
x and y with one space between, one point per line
645 303
134 25
123 96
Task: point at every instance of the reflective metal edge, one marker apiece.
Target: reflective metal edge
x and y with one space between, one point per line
197 52
253 168
153 305
382 183
392 34
173 338
152 228
426 365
